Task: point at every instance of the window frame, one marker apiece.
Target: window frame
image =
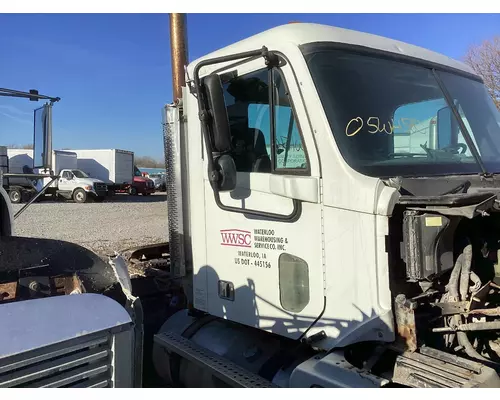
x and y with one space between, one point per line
288 171
234 73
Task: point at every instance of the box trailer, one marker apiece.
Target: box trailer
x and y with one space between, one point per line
113 166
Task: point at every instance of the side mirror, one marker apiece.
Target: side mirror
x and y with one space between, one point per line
42 145
219 121
227 173
447 128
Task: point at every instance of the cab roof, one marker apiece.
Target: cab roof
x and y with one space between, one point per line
299 34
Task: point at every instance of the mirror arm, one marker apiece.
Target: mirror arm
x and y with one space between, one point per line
204 115
32 95
271 60
54 178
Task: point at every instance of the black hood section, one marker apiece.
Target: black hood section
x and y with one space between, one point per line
53 258
457 190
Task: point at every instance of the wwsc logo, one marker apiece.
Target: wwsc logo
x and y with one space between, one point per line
236 238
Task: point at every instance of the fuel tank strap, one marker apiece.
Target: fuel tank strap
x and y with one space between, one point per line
220 367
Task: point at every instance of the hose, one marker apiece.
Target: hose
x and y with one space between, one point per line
465 274
453 282
477 282
463 341
453 291
462 268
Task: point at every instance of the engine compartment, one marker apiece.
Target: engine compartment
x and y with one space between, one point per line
444 257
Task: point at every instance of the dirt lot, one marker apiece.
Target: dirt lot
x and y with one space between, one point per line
122 222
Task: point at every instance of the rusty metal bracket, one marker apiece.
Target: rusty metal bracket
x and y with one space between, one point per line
456 307
405 321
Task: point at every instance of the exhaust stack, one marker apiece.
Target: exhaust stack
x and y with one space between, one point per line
178 49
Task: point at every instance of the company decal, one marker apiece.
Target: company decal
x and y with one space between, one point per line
256 243
236 238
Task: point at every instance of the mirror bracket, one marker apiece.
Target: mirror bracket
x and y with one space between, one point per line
271 59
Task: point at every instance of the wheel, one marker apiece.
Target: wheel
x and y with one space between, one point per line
15 196
80 196
132 191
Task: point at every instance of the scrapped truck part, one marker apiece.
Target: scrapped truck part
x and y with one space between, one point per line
320 234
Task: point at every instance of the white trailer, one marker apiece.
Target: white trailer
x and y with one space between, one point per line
113 166
61 160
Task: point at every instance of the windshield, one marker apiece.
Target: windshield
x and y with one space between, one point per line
79 174
137 172
391 118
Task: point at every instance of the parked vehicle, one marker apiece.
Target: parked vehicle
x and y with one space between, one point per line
160 181
113 166
142 184
71 184
77 185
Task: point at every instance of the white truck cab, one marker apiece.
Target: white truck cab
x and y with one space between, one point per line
323 232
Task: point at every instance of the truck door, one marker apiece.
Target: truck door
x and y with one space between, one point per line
65 182
266 271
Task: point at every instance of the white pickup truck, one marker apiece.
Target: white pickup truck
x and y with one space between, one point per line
77 185
72 183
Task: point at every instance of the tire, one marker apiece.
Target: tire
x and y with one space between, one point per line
15 196
80 196
132 191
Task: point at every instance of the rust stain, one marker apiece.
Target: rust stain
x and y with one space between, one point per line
66 285
8 291
405 321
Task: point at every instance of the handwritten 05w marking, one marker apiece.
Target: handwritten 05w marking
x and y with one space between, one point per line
355 125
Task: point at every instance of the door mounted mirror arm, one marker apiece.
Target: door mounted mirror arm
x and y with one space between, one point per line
217 135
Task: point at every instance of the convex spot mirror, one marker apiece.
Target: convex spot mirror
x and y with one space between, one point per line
42 137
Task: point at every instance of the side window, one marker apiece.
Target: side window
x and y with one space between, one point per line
248 106
247 103
290 153
65 175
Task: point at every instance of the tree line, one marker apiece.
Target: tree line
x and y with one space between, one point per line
484 59
148 162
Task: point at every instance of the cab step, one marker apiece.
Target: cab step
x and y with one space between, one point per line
226 370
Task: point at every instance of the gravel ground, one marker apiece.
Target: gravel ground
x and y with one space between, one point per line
119 223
